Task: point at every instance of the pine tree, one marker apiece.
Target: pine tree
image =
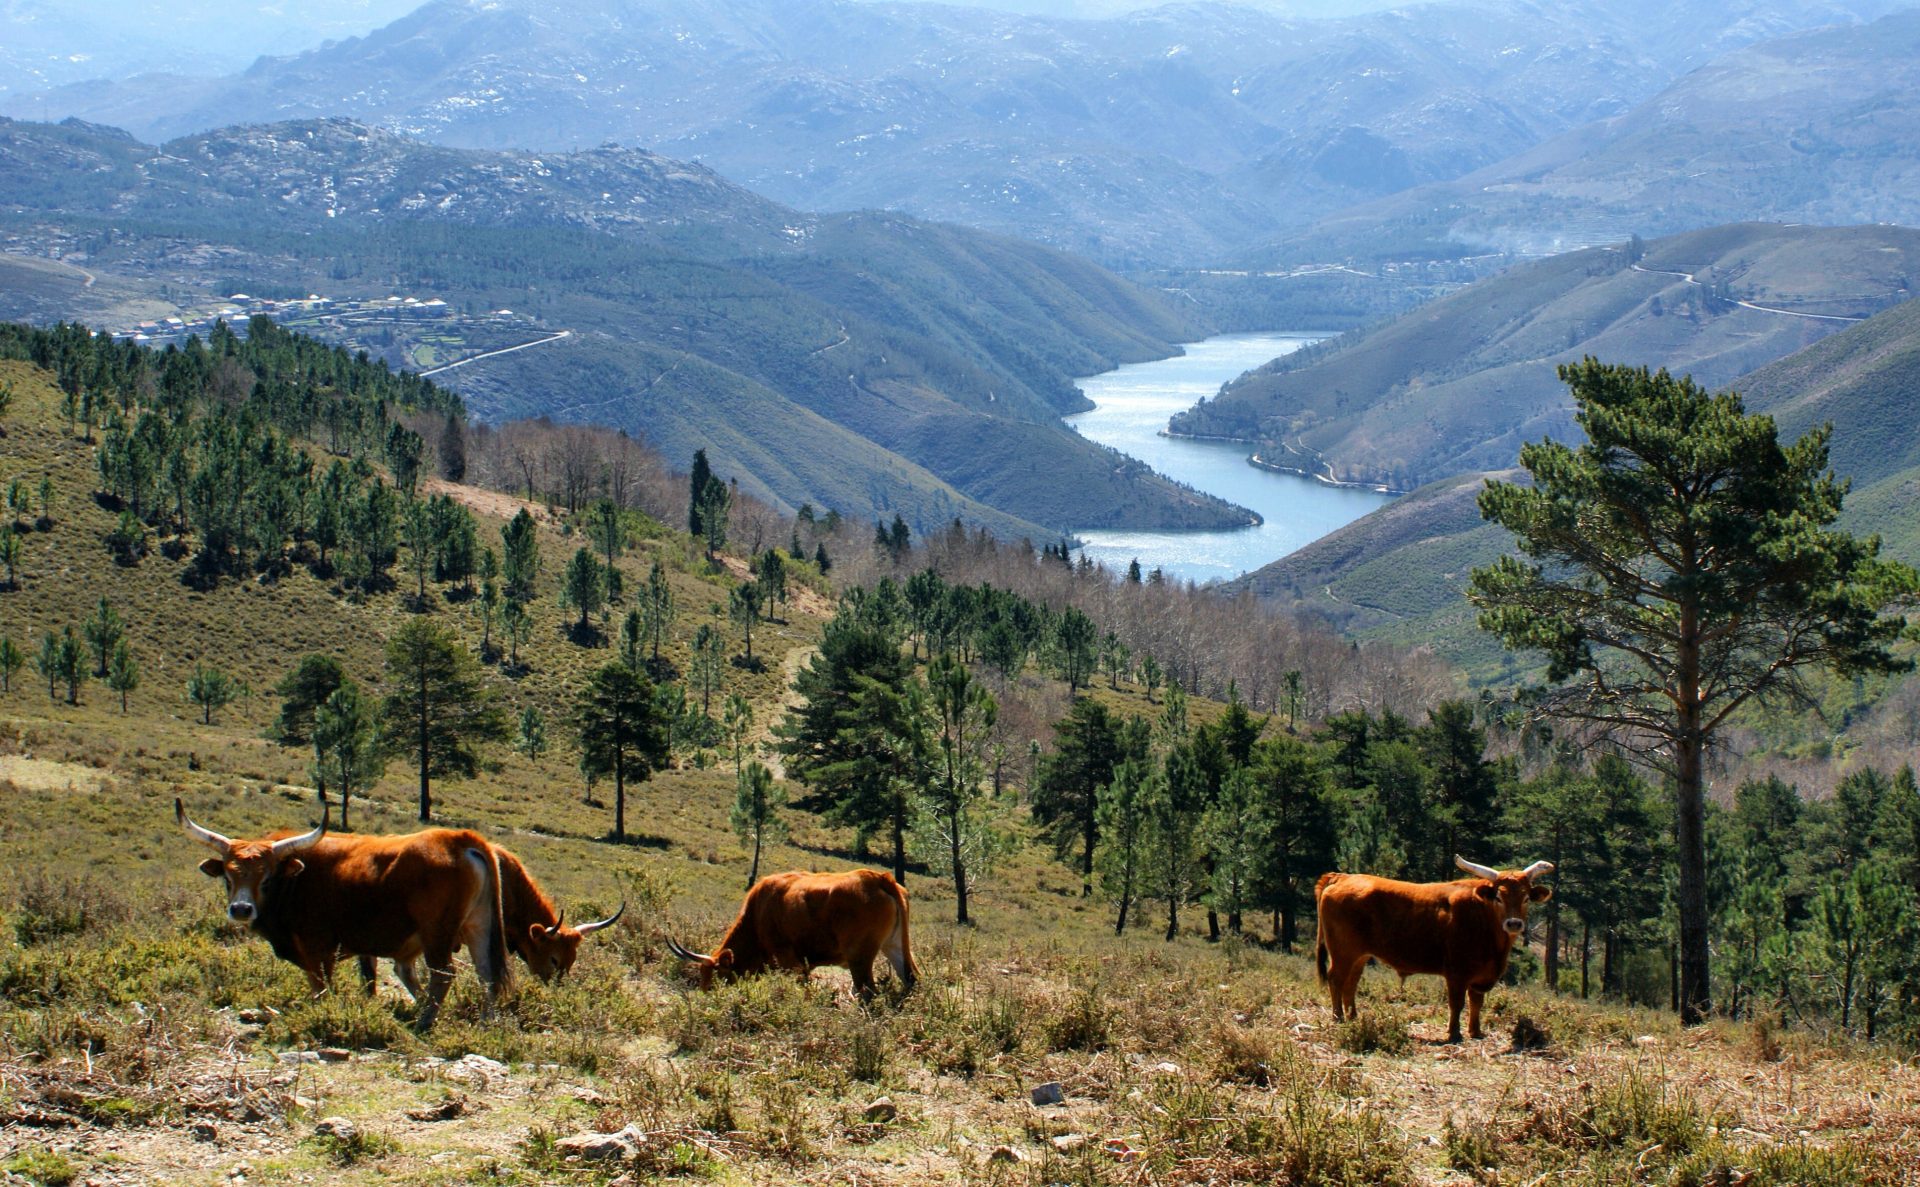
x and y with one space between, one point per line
704 670
1678 565
757 800
698 479
959 718
621 733
520 557
104 629
347 747
1120 817
440 710
12 659
11 551
1066 798
213 690
531 736
743 607
123 672
657 608
519 625
584 586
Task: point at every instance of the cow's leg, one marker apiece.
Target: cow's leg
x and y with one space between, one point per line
862 971
1347 986
408 975
1476 996
439 980
369 975
1456 998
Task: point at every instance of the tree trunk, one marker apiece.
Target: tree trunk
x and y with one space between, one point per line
346 797
1173 914
1690 829
753 872
1213 924
426 792
1289 927
899 841
1089 830
959 870
1553 945
619 795
1586 939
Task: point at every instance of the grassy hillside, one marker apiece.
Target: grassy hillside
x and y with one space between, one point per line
1461 383
144 1041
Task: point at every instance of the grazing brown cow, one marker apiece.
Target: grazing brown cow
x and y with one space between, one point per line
535 931
317 897
801 921
1460 930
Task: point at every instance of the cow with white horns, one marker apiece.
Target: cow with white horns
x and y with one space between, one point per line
1462 931
317 897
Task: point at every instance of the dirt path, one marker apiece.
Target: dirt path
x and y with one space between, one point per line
503 350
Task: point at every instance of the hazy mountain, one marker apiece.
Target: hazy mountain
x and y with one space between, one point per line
1177 133
46 43
1460 383
1821 127
869 363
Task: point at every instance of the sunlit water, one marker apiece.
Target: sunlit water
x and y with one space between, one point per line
1133 404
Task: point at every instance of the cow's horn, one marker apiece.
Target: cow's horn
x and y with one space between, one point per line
304 841
205 836
587 929
1538 869
674 947
1476 869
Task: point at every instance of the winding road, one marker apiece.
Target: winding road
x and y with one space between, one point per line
1688 277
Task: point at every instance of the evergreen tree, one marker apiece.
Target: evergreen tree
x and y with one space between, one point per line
440 710
213 690
1294 810
1170 833
47 662
705 668
1150 675
453 448
584 586
417 523
1066 798
771 573
123 672
743 607
520 557
698 479
11 551
656 606
12 659
1678 565
606 530
1074 639
301 692
840 738
617 722
716 505
104 629
519 626
347 749
531 735
758 798
960 717
1120 818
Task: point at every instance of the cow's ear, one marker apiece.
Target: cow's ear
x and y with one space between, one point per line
1540 894
291 867
1488 891
725 959
536 932
213 867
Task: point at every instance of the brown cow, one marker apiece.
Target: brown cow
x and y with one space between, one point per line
535 930
317 897
801 921
1460 930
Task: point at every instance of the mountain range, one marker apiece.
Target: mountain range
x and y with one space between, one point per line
869 363
1459 383
1189 132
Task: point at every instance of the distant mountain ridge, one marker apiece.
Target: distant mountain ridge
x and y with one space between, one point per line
1460 383
1821 126
869 363
1180 133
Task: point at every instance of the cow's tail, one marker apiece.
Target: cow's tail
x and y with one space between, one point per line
493 967
1321 957
897 941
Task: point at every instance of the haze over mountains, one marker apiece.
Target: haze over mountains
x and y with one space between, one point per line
1180 134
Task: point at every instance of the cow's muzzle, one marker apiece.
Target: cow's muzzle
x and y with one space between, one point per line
240 912
1516 926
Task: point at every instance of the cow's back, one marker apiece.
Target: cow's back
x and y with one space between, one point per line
824 919
1409 927
373 895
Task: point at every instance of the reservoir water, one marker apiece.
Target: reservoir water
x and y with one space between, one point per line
1132 406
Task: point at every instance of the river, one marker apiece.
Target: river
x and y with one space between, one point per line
1132 406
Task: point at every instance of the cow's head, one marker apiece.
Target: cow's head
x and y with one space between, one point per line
1512 893
551 951
707 967
249 865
